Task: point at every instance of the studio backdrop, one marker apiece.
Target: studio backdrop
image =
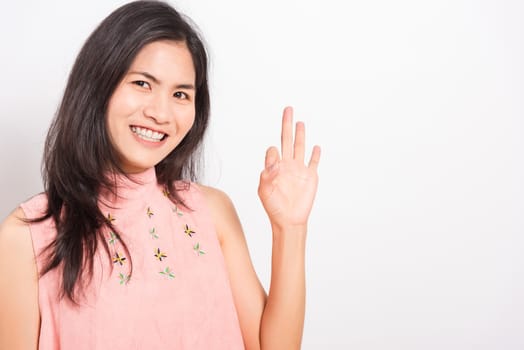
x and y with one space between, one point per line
417 234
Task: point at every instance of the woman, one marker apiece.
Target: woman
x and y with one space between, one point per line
123 250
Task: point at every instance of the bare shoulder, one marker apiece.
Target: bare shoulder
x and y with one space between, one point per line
14 231
216 198
15 241
19 319
224 214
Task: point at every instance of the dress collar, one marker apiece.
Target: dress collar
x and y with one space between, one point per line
128 188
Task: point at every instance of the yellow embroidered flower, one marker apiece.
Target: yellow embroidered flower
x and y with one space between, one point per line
189 231
149 212
110 218
119 259
159 255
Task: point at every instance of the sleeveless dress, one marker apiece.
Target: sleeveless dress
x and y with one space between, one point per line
177 295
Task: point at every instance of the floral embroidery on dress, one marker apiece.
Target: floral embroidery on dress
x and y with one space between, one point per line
188 231
119 259
110 218
177 211
149 212
168 273
153 233
124 278
160 255
112 238
197 249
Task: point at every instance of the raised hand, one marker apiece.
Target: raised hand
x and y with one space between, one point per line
287 186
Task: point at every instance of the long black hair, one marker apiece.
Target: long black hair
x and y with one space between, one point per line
78 152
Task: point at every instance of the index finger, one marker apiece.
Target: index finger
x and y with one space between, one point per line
315 158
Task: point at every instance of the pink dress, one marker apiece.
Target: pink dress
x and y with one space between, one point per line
178 296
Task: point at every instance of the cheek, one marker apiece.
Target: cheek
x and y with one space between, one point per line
110 121
113 111
188 120
123 102
120 106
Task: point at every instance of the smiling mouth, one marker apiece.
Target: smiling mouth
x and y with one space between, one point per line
148 134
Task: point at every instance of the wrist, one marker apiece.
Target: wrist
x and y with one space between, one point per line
289 230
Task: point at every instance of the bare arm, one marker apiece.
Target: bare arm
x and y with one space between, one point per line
287 190
19 318
248 294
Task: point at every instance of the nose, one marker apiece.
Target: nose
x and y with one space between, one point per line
159 108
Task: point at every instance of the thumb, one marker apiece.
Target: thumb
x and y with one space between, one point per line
272 158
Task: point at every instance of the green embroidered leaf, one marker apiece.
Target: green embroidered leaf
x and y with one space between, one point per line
168 273
124 279
197 249
177 212
153 234
112 238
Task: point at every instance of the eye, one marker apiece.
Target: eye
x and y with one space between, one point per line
142 83
181 95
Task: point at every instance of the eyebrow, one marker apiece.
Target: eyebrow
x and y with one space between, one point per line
156 81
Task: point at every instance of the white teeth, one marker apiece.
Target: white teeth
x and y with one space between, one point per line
147 134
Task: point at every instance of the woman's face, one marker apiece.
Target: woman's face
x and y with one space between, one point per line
153 107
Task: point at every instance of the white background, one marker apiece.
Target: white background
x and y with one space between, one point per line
416 239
